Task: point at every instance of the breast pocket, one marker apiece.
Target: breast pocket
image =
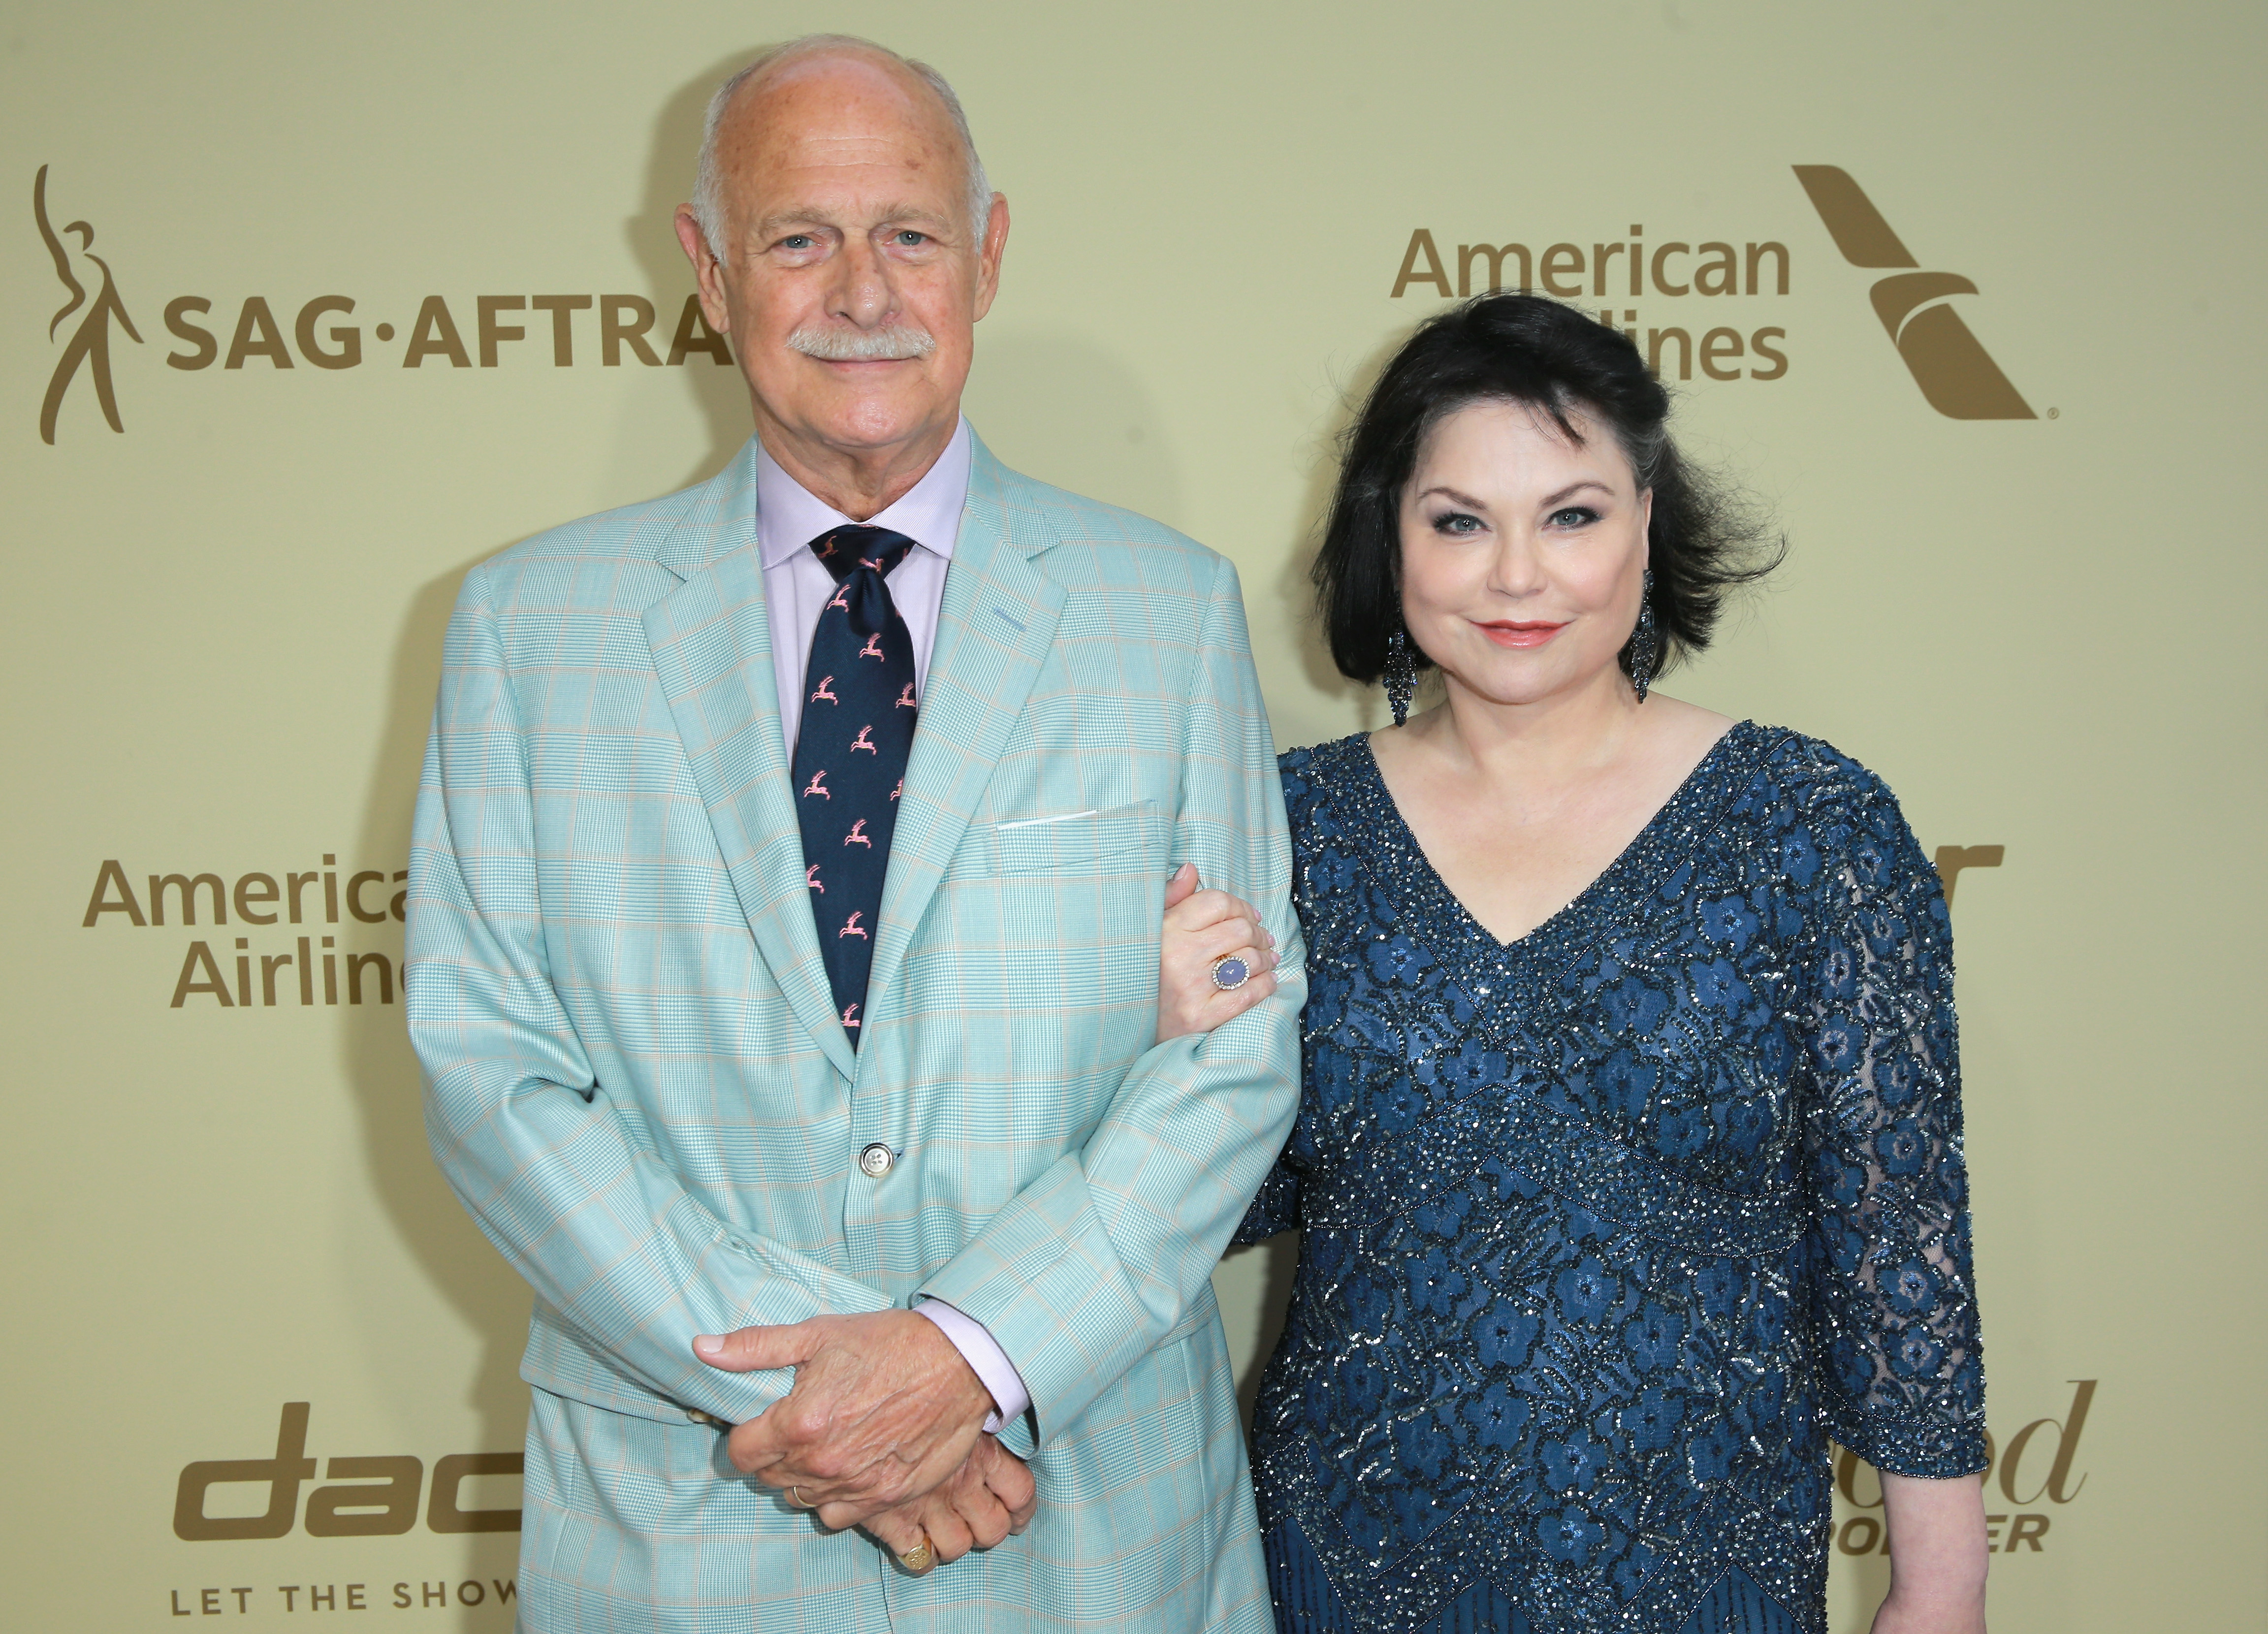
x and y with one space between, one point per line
1052 930
1120 840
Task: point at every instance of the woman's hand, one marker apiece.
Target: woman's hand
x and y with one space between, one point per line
1938 1557
1201 926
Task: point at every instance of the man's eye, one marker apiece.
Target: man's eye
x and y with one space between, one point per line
909 238
797 241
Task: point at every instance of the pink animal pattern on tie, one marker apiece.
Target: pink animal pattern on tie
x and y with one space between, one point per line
873 561
873 647
900 789
842 599
811 879
819 786
859 836
851 927
826 547
905 698
825 683
850 1014
866 740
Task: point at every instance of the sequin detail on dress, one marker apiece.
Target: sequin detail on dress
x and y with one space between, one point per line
1606 1230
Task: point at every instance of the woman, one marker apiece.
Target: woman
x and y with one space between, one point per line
1628 1165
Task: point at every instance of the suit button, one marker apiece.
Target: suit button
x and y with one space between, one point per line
876 1159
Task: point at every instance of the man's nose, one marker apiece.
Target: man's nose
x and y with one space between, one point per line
863 293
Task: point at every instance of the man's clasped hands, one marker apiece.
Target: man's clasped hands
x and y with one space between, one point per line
883 1429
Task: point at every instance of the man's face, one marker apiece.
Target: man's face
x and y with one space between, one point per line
850 282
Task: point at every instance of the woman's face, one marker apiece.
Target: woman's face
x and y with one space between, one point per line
1523 552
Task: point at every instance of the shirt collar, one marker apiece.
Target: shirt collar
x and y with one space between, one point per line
790 517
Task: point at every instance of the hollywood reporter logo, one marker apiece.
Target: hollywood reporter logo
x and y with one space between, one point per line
2025 1496
613 327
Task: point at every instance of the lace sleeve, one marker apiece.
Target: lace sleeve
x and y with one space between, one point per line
1904 1379
1275 1210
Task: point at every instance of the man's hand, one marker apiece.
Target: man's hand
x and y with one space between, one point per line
883 1410
988 1498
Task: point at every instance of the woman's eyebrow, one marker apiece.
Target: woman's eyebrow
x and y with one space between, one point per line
1573 489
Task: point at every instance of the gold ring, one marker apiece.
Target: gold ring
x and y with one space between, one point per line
795 1498
919 1560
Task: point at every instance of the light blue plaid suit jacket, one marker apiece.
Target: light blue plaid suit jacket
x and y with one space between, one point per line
638 1087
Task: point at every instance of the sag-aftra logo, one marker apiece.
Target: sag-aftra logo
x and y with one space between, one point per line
1713 283
237 330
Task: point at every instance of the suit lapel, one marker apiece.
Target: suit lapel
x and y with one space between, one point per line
710 639
994 627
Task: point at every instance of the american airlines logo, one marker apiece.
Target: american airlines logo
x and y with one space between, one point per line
1703 296
1948 362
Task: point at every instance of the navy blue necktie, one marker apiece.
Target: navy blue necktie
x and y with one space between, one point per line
858 716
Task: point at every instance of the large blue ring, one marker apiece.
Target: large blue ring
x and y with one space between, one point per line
1230 973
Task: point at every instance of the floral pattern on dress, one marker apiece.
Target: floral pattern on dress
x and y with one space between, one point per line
1607 1231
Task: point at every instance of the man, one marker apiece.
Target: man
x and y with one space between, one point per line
786 898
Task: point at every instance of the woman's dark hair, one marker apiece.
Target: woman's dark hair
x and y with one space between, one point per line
1523 348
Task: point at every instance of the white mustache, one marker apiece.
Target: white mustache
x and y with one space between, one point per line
894 343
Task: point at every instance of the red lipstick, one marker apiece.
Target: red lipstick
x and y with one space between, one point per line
1512 633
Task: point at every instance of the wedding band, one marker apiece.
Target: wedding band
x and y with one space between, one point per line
795 1498
922 1559
1230 973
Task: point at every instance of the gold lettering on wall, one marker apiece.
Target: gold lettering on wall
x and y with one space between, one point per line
261 899
1951 860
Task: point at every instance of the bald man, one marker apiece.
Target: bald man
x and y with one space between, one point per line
783 948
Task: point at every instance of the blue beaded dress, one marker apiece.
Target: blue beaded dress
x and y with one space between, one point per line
1606 1231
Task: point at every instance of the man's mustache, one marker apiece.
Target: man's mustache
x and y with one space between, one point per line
892 344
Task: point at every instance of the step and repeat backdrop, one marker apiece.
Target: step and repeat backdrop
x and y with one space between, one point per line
308 309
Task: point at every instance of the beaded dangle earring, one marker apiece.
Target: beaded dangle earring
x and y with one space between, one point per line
1646 641
1401 676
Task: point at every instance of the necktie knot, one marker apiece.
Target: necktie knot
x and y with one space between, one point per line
845 550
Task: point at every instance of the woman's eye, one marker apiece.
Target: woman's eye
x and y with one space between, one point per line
1573 515
1457 522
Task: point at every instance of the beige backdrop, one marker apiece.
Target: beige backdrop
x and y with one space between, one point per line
223 625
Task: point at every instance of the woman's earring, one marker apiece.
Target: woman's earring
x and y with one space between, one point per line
1401 676
1646 641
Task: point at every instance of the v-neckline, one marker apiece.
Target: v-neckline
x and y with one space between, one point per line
1438 916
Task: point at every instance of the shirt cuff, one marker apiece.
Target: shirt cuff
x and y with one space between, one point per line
985 1358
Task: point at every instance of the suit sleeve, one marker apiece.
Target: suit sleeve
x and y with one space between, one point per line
522 1128
1095 1262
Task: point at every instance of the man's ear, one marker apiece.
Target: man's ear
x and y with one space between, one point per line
989 252
708 271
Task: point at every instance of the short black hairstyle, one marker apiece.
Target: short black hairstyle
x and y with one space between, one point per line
1702 540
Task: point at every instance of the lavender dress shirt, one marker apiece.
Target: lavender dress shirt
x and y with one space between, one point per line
797 586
